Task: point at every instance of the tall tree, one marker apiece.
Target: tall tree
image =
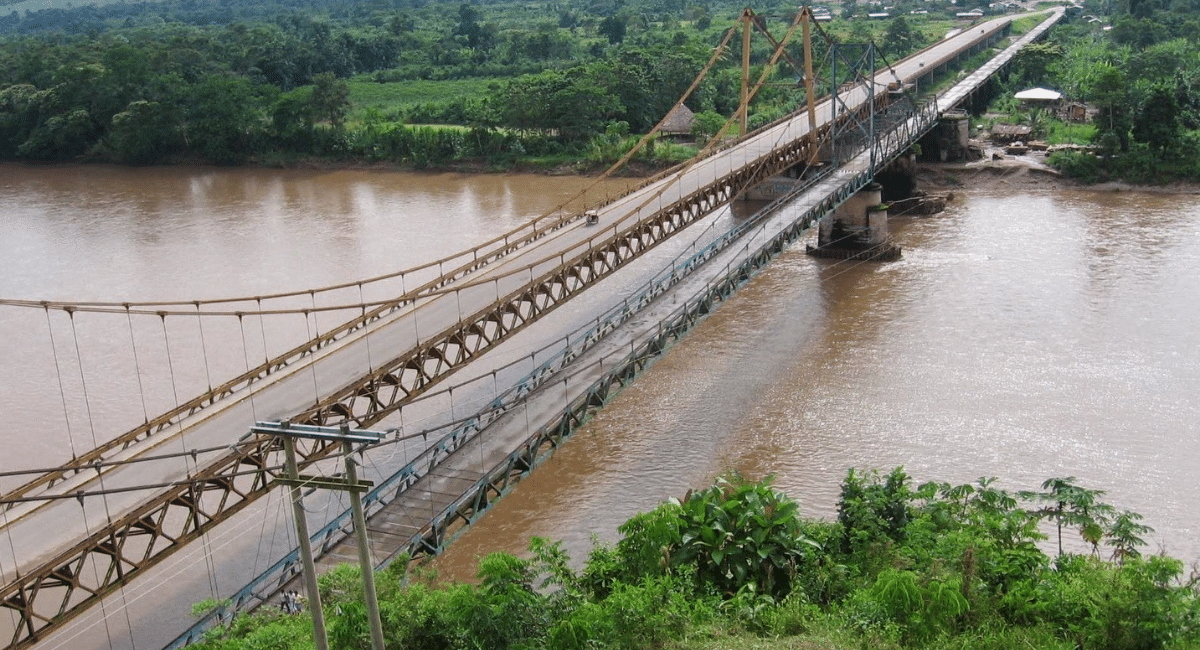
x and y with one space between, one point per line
613 28
330 98
900 39
223 118
1070 504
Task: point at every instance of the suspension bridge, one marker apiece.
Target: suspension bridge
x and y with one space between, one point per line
405 353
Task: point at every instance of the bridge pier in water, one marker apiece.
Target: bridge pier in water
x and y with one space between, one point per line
857 229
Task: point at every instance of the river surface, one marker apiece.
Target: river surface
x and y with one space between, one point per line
1024 335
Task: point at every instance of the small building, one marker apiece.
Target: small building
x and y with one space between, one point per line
879 15
1039 97
969 15
1006 133
1073 112
679 122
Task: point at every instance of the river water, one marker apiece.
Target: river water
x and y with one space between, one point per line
1024 335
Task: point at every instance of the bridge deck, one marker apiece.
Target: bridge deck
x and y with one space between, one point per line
295 389
398 523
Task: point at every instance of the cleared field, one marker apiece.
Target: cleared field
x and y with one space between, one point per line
366 94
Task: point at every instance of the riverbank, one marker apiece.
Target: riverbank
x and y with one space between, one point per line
1025 173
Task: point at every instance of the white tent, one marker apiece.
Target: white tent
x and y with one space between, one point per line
1038 95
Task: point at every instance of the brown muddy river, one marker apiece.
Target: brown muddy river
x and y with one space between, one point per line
1024 335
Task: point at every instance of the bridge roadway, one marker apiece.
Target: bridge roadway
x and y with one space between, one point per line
434 505
399 526
294 390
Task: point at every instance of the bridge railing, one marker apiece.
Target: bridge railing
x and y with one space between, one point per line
454 435
459 433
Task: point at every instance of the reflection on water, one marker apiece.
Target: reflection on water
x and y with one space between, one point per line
1023 337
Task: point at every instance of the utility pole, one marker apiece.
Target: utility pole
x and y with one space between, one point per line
747 19
809 93
289 432
364 551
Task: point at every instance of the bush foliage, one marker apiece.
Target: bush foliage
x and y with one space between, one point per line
904 566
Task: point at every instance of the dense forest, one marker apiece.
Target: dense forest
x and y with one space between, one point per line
231 81
733 567
428 83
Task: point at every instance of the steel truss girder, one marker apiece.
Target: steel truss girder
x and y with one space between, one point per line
479 497
171 419
132 544
399 380
67 584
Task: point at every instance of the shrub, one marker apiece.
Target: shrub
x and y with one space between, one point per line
738 533
1080 165
1136 605
873 512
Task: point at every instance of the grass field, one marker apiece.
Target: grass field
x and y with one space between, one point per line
367 94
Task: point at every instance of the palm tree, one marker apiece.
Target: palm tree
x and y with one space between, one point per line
1124 534
1073 505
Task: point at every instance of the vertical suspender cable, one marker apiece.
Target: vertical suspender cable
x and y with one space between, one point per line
162 317
203 348
246 357
61 390
313 366
366 334
314 336
262 331
100 478
137 368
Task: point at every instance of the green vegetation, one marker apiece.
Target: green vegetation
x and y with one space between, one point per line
266 81
1136 65
272 81
733 566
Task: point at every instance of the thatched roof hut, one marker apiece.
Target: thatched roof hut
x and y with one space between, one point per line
679 121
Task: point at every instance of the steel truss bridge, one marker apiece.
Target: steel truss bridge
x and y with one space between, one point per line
458 309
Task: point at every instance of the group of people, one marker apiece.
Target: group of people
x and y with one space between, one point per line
293 602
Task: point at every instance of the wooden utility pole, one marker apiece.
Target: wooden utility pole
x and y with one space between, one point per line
289 432
320 638
364 550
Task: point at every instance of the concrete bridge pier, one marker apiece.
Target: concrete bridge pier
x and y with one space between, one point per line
948 140
785 182
898 180
857 229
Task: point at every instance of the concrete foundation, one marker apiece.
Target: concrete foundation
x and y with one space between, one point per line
898 179
857 229
948 141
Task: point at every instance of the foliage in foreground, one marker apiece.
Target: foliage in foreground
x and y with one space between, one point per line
734 566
